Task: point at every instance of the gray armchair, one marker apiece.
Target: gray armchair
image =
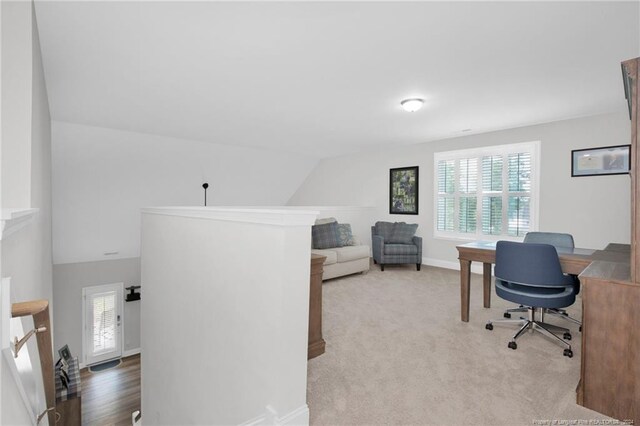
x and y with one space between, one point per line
395 243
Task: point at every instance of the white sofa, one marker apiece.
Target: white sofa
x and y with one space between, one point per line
344 260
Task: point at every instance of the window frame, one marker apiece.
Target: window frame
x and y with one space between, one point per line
504 150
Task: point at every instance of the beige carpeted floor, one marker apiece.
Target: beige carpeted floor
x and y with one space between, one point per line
397 353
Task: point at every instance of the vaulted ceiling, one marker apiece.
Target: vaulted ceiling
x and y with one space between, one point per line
327 78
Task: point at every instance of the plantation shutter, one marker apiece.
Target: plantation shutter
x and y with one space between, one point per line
486 191
492 194
468 200
519 177
446 198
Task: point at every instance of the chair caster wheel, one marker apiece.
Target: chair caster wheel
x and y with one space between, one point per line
507 315
566 336
568 352
489 326
580 329
513 345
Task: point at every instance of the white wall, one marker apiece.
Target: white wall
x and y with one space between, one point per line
102 177
596 210
17 63
26 254
225 316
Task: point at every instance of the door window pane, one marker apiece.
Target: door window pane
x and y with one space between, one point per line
104 322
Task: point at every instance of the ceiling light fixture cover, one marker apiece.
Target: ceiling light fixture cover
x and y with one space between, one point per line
412 105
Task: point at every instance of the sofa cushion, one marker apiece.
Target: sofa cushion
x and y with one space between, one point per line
345 236
323 220
325 236
346 254
332 256
385 230
402 233
400 249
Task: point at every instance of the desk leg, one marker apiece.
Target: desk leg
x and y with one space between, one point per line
486 284
465 277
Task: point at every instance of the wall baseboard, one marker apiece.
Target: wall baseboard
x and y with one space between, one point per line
131 352
299 416
476 267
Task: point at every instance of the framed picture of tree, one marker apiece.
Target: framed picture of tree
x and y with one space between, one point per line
403 190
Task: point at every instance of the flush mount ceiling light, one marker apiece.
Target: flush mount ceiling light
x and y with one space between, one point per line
412 105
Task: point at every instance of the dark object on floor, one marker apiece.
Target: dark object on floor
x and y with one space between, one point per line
105 365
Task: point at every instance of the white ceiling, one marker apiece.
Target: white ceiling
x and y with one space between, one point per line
327 78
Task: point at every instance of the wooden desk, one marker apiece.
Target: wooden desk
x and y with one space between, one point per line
610 367
573 261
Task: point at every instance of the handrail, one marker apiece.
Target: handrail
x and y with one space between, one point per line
22 309
39 310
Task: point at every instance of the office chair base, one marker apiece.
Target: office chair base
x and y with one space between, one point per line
560 313
508 312
534 325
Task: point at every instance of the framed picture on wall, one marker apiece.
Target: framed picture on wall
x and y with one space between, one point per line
403 190
608 160
65 354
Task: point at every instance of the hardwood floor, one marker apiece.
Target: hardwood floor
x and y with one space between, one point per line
109 397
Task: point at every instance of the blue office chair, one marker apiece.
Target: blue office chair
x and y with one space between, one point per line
559 241
531 275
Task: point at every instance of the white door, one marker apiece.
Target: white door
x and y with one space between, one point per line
102 319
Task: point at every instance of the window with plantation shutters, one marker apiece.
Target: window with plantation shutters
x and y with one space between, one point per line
486 193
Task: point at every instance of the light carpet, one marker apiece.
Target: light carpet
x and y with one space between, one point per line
397 353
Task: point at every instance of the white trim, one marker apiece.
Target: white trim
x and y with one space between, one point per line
131 352
299 416
12 220
280 216
337 208
507 148
476 267
467 238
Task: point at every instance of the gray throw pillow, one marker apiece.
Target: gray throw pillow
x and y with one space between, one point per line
403 233
325 236
345 236
324 220
385 230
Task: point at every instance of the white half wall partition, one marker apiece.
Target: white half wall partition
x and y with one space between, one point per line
225 315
